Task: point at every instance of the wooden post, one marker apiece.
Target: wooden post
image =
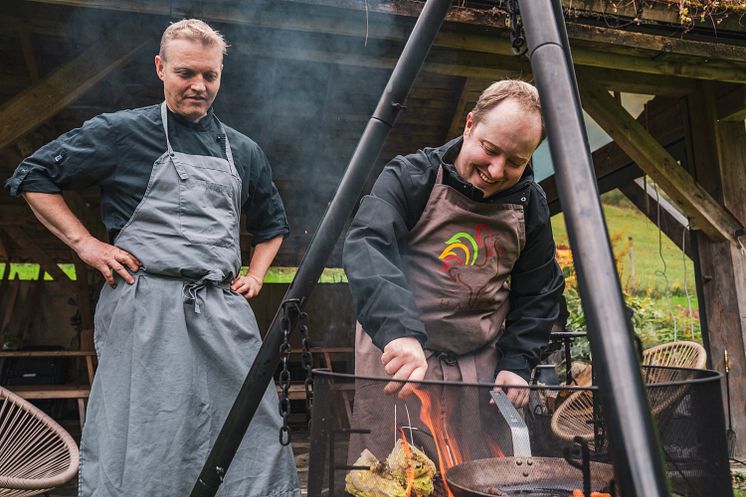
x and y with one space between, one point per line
718 150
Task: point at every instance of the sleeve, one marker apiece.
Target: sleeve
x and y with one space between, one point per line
76 160
372 251
265 212
536 286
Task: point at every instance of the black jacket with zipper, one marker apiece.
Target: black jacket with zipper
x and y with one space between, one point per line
377 237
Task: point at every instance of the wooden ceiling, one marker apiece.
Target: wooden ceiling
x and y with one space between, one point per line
303 76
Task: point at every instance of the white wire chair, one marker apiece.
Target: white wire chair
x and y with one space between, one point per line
36 454
575 415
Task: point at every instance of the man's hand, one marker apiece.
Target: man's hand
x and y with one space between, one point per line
517 396
248 286
107 259
404 359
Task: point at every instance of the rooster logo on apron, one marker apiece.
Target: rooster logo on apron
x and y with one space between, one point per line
471 261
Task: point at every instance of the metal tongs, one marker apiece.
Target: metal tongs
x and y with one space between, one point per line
518 428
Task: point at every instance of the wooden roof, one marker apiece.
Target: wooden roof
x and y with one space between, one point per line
303 76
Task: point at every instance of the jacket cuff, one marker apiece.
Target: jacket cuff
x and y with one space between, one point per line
515 364
13 184
382 338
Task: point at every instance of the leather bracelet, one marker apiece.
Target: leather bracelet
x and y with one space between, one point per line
255 278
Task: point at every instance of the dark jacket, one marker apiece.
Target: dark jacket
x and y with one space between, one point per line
377 237
116 152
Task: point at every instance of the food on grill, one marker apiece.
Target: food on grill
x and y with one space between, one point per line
398 463
374 483
389 478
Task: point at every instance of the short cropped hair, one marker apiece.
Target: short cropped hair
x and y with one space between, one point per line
193 29
525 93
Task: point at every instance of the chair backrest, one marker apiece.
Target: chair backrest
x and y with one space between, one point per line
677 354
36 454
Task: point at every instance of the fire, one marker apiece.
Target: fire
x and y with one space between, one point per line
496 451
410 467
449 453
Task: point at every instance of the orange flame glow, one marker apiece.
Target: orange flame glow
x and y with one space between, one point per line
449 453
410 467
494 449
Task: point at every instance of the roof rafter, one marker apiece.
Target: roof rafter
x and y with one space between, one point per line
708 215
698 67
41 101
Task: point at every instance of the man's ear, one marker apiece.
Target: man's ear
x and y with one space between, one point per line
159 67
469 124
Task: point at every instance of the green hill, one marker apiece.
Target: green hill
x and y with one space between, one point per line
648 262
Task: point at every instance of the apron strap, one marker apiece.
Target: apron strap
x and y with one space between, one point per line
228 151
192 289
164 118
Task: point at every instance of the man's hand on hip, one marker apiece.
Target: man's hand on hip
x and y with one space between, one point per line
248 286
517 396
107 259
403 359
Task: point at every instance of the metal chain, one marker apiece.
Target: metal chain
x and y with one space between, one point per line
290 312
306 359
517 40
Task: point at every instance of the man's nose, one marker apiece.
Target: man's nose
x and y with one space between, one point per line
198 84
496 169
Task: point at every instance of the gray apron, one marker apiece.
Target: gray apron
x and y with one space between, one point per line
458 260
174 347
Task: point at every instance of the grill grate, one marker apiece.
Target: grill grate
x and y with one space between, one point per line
352 414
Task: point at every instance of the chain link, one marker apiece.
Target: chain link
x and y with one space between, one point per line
517 41
290 312
306 359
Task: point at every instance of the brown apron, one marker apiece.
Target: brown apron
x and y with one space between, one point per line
459 257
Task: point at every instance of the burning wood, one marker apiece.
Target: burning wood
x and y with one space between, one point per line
407 472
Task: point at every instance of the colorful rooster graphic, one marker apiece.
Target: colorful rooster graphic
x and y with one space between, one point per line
462 249
457 252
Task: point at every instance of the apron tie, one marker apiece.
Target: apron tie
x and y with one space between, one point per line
192 289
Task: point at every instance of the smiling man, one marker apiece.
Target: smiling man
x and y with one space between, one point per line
175 335
450 259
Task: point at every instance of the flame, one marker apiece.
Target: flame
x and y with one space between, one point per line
449 454
494 448
410 467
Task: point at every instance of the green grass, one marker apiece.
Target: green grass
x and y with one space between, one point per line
625 223
27 271
660 316
274 275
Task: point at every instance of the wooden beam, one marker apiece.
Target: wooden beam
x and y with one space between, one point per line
29 56
656 43
635 82
30 247
381 27
718 155
469 94
709 216
496 68
662 117
43 100
660 212
732 105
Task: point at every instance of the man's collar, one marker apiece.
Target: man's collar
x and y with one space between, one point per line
204 124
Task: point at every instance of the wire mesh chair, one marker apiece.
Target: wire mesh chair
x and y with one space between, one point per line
574 417
36 454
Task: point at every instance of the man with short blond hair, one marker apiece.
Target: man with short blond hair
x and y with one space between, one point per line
194 30
450 261
174 333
